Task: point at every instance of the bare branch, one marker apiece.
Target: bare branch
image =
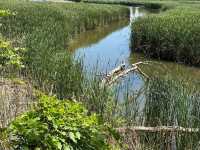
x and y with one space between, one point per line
120 72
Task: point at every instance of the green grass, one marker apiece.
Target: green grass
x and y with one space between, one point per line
154 4
45 30
172 102
171 35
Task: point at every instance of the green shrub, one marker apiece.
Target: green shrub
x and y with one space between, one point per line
173 35
55 124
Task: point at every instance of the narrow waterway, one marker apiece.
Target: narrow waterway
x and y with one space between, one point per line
107 47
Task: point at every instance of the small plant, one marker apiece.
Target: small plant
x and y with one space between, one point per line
59 125
10 56
4 13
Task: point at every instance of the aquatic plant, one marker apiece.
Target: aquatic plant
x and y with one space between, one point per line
171 102
172 35
153 5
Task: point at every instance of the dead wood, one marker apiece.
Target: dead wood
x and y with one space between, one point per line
120 72
159 129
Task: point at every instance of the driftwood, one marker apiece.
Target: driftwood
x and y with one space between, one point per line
121 71
121 74
113 73
159 129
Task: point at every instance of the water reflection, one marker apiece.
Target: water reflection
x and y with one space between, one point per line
91 37
162 68
135 13
110 51
105 50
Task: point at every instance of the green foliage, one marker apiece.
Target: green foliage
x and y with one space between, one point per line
9 56
153 4
4 13
58 125
172 35
45 30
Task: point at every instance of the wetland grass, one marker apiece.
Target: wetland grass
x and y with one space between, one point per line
171 35
172 103
45 30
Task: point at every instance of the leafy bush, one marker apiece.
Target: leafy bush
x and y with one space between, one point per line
4 13
55 124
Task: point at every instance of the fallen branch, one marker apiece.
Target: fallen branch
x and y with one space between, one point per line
142 73
159 129
117 70
120 71
141 63
112 73
125 72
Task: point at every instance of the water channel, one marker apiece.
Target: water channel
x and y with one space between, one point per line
107 47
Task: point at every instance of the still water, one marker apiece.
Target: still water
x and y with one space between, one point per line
107 47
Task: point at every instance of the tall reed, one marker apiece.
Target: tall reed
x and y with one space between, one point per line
45 30
172 103
172 35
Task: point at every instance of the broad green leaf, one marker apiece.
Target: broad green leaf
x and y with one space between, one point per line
72 137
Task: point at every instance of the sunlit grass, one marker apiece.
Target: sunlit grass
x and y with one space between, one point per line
172 35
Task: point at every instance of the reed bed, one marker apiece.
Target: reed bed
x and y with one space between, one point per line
152 5
172 35
45 30
171 102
